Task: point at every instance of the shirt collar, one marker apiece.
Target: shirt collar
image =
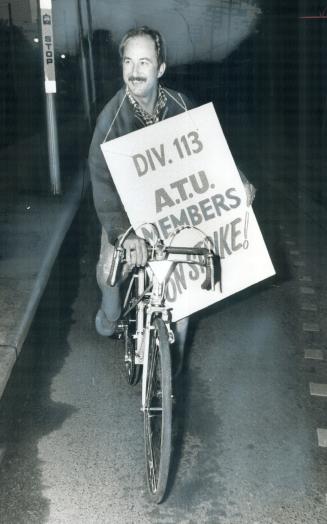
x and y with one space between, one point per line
148 118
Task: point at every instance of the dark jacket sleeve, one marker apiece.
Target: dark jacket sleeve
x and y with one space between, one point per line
106 200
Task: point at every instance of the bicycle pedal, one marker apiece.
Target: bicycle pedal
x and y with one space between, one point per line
117 335
119 331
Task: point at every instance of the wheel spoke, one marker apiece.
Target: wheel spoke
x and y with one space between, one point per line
150 379
133 371
151 459
157 413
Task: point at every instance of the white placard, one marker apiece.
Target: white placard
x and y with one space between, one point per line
181 172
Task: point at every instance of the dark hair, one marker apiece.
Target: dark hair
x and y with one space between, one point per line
155 37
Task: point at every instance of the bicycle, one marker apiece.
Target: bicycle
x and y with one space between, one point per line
145 327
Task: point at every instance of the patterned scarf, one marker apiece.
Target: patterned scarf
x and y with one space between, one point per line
146 117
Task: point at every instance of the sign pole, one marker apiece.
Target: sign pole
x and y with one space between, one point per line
91 61
86 92
50 90
12 48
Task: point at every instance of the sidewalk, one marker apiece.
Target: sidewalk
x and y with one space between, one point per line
32 228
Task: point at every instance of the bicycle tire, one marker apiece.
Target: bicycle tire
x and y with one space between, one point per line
132 370
158 412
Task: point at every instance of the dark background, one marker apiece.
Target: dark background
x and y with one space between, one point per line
270 95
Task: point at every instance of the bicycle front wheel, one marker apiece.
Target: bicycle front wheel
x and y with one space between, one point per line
158 411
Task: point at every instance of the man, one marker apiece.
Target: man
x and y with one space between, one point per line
141 102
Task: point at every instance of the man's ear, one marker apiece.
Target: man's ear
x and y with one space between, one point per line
161 70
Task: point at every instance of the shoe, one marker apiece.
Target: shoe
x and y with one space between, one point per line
104 327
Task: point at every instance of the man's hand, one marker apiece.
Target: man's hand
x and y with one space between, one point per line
250 191
136 251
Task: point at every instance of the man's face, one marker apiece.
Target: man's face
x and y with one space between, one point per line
140 66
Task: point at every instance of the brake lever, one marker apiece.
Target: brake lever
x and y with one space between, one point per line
117 258
213 272
217 270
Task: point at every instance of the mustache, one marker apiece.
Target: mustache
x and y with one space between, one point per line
136 79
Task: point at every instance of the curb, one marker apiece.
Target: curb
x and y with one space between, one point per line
8 356
13 342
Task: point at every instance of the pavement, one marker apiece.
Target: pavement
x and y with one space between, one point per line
33 225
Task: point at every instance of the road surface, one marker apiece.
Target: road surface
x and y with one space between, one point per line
250 415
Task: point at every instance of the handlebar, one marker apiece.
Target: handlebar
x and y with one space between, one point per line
160 252
172 250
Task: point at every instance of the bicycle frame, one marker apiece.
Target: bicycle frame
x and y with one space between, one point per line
157 269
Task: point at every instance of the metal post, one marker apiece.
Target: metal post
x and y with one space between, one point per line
90 49
12 48
303 95
50 90
85 81
53 149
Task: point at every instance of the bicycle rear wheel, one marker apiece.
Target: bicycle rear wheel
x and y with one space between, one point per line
132 370
158 412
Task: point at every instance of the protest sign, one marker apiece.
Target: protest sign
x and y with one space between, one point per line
181 172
